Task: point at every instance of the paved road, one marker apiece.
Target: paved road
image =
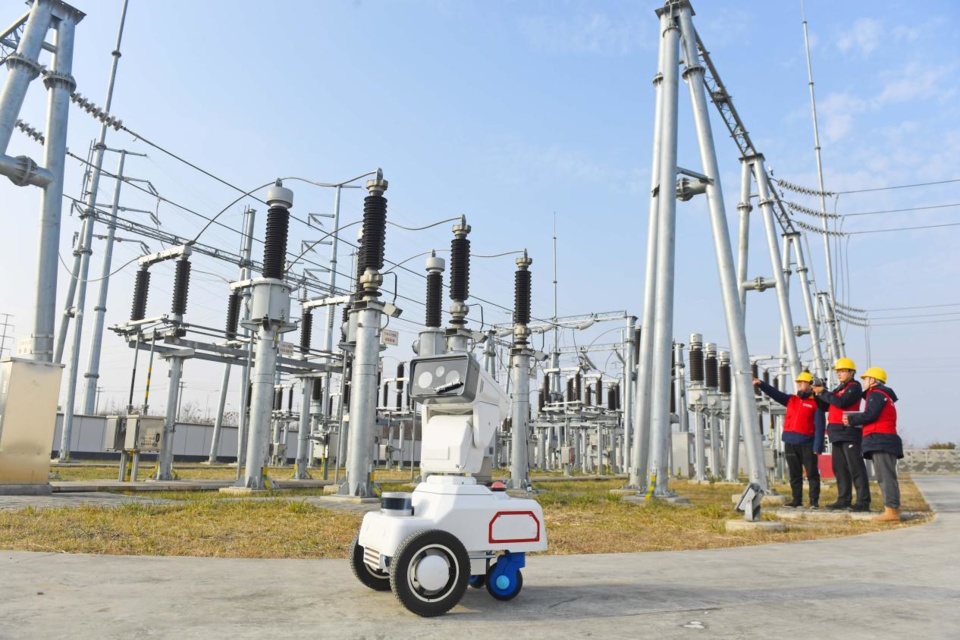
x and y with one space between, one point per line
903 583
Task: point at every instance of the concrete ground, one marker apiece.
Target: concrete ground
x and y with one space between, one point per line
902 583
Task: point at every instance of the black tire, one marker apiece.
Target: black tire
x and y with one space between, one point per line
477 582
368 577
424 545
508 593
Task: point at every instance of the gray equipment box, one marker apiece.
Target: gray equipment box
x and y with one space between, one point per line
133 433
144 432
114 433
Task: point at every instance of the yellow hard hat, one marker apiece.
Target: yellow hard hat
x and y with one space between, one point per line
805 377
876 373
844 363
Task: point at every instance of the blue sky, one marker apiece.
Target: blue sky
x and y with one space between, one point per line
511 113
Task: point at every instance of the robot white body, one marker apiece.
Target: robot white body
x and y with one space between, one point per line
484 521
427 546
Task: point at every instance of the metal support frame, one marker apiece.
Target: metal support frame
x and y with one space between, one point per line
165 458
628 386
820 366
363 398
249 215
81 253
659 370
270 317
680 396
331 309
740 358
301 471
520 407
23 68
665 118
60 85
367 313
96 339
79 280
261 405
776 262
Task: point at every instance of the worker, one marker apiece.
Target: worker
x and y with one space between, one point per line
802 436
848 466
881 444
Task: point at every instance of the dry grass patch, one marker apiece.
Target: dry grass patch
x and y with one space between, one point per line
581 517
211 528
105 471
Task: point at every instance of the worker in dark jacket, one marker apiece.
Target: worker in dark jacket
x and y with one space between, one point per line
848 466
880 440
802 436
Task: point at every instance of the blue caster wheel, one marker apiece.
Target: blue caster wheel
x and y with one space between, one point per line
477 582
504 585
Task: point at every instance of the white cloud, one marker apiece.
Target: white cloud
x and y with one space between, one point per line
595 33
916 82
862 38
837 112
727 26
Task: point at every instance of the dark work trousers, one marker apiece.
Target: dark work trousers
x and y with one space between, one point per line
800 457
885 464
849 469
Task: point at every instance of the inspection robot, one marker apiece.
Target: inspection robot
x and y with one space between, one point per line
451 532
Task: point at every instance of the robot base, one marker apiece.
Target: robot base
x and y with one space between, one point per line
449 533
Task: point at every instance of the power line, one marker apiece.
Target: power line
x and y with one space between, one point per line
129 224
928 226
292 216
871 213
928 306
892 324
900 186
924 315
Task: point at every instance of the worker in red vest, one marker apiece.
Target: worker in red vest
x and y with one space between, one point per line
848 466
880 440
802 436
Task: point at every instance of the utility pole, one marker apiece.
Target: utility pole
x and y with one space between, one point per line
6 325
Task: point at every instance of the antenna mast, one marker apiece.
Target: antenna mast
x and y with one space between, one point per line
816 147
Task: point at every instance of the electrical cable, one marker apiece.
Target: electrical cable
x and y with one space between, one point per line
928 226
250 194
901 186
892 324
496 255
928 306
926 208
429 226
70 270
921 315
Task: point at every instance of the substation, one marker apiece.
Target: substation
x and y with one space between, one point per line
676 406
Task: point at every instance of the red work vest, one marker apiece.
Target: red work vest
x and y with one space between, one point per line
800 413
887 421
835 414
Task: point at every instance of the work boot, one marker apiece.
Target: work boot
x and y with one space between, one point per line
837 506
889 515
860 507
